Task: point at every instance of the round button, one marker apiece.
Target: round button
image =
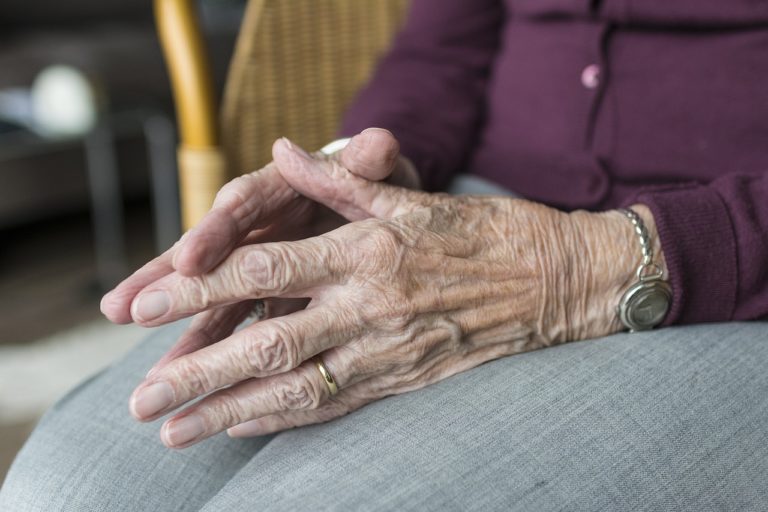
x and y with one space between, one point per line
590 77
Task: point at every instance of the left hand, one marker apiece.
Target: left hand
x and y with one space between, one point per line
418 288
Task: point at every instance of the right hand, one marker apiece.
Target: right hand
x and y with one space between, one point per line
254 208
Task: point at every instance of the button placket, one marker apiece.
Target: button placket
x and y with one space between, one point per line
593 77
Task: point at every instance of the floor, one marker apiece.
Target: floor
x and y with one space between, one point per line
51 332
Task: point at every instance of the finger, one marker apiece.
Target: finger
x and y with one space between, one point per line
260 350
244 203
255 199
206 328
116 305
299 389
331 184
294 398
294 223
289 269
372 154
340 405
212 326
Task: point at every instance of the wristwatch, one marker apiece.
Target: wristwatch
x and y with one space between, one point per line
645 304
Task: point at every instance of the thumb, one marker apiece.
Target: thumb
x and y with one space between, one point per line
332 184
371 154
374 154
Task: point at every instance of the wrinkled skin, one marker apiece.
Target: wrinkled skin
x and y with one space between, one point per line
255 208
416 288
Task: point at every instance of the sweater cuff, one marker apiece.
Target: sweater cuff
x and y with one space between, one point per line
699 246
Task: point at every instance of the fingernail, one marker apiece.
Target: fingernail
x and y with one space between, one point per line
296 149
370 133
184 430
152 399
151 305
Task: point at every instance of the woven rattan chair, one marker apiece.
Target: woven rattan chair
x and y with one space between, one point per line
296 66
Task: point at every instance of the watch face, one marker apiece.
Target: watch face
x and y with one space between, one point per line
645 304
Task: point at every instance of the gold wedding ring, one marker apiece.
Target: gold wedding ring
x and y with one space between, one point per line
327 377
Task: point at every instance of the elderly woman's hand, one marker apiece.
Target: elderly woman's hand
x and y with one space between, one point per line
256 207
421 287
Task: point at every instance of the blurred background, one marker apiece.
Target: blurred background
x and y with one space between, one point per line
88 183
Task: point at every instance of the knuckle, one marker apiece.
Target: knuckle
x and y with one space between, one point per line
194 379
412 353
400 316
333 254
241 272
267 270
380 247
384 238
273 353
227 410
196 292
296 394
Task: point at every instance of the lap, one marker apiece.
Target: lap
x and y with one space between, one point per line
676 418
87 453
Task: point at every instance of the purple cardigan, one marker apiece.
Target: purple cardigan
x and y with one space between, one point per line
596 104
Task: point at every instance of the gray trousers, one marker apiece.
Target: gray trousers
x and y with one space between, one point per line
675 419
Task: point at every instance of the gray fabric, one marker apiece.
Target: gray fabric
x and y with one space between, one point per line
88 440
675 419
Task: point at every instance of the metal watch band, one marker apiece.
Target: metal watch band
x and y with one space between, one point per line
645 304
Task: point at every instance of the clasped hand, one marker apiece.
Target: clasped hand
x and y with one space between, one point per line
415 288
